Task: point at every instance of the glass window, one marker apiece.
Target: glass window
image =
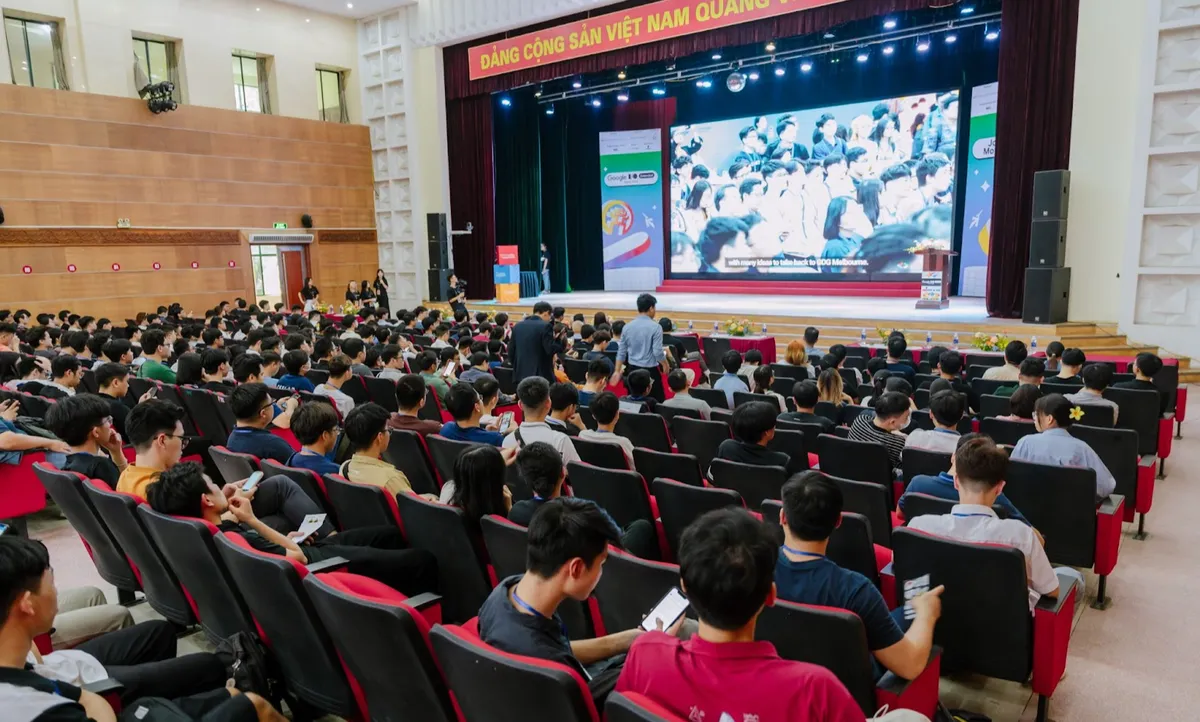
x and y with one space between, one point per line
265 259
33 53
329 96
245 84
155 59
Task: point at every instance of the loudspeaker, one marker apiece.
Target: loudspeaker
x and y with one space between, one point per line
1051 194
439 256
437 225
306 221
1048 243
439 236
1047 294
439 287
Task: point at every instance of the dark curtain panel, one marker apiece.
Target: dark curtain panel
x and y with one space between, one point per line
554 197
1033 132
469 125
584 252
643 115
518 190
459 85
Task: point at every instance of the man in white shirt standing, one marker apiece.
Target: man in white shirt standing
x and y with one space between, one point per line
946 410
979 468
1014 353
606 409
534 395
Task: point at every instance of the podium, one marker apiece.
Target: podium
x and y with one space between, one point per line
935 278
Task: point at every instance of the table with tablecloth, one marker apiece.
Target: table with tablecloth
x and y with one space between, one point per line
742 344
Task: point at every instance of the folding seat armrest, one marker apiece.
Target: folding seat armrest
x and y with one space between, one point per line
429 605
1166 436
1052 619
1109 516
920 694
332 564
1181 394
887 585
1145 483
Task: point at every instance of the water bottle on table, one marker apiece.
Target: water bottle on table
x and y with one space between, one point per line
716 328
1033 344
956 340
862 337
764 331
928 339
690 325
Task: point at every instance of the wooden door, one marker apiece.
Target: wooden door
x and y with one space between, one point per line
291 273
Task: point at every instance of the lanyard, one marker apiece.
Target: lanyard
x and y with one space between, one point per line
799 553
529 608
947 431
967 515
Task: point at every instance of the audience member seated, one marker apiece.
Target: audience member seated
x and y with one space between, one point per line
763 378
142 658
892 413
32 372
731 380
896 346
376 552
677 380
600 343
751 361
640 385
1014 353
340 371
534 395
1096 378
410 397
84 422
812 509
367 431
1031 373
1145 367
727 562
478 486
426 364
1073 360
564 409
598 374
806 396
979 468
830 388
215 370
296 364
753 428
946 409
1054 353
465 406
1055 446
392 357
950 368
316 428
66 373
255 413
477 367
567 546
606 409
156 351
1022 402
942 486
356 351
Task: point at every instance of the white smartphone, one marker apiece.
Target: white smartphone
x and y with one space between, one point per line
253 481
449 369
505 421
669 609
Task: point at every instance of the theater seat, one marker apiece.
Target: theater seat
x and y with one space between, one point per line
630 587
599 453
21 493
836 639
678 467
442 531
623 494
922 462
699 438
445 453
1007 432
633 707
310 481
754 483
864 461
986 626
488 684
361 505
408 452
681 504
645 430
234 466
1118 449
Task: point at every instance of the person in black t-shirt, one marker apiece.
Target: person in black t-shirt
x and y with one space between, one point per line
753 429
113 382
85 423
1145 367
806 396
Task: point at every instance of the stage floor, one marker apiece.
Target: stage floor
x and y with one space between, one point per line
961 310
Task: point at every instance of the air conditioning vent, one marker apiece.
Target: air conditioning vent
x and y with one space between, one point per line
281 238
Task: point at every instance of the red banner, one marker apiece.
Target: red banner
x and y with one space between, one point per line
636 26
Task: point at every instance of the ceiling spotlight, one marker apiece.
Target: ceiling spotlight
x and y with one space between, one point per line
951 39
889 49
862 57
991 33
752 75
806 66
621 75
308 20
350 5
623 96
780 71
967 9
577 85
770 47
889 24
923 45
595 102
549 110
506 101
258 10
829 36
537 93
716 56
658 91
704 83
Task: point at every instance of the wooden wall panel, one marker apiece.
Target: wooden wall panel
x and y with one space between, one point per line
73 163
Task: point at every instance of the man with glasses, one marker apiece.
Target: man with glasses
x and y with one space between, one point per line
255 411
85 423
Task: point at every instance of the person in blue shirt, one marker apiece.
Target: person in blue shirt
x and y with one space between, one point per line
296 363
1055 446
730 381
315 425
464 404
812 510
252 407
942 485
643 347
896 346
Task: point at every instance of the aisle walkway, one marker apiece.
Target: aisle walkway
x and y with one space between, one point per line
1137 660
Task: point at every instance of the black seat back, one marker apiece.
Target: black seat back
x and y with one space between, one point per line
1118 449
985 360
792 443
982 386
872 501
504 375
714 349
986 590
408 452
356 389
317 376
681 504
167 392
679 467
382 392
700 438
850 545
1057 387
916 505
298 641
374 628
991 405
1099 415
1006 432
311 482
754 483
633 707
442 531
857 460
201 405
445 452
622 494
66 489
234 466
360 505
432 410
1139 412
713 397
922 462
1060 502
119 513
630 587
599 453
788 371
576 369
187 545
645 430
670 412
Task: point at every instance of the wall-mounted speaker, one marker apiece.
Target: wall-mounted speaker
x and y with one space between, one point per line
306 221
1051 194
1048 243
439 242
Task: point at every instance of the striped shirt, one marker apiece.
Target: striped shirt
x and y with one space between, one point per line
864 429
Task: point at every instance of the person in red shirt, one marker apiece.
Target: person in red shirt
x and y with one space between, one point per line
727 566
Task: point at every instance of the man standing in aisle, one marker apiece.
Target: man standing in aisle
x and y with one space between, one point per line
642 347
534 345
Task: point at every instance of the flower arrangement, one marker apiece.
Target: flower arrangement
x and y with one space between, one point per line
349 309
993 342
885 333
738 327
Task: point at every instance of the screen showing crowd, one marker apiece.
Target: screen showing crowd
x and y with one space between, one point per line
848 189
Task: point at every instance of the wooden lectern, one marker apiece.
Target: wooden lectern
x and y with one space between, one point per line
935 278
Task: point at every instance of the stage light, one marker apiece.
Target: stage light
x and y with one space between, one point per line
704 83
623 96
658 91
752 75
595 102
577 85
780 71
829 36
923 45
862 57
770 47
716 56
506 101
889 24
991 33
951 39
621 75
550 110
538 93
967 9
806 66
888 49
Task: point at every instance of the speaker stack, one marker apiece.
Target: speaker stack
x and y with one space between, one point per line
439 256
1047 281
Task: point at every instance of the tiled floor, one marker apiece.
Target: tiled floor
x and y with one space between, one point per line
1137 660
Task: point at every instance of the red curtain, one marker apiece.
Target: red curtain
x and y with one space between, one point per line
643 115
472 189
1033 132
459 85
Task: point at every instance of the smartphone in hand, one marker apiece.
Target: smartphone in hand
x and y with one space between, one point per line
668 610
505 421
253 481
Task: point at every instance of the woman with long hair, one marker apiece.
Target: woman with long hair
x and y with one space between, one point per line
699 208
846 225
365 294
352 295
829 388
869 192
310 295
189 369
381 290
763 378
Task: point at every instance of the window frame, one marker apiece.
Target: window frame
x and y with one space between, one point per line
321 107
56 50
239 84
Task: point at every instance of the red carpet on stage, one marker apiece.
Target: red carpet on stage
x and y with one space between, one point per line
874 289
